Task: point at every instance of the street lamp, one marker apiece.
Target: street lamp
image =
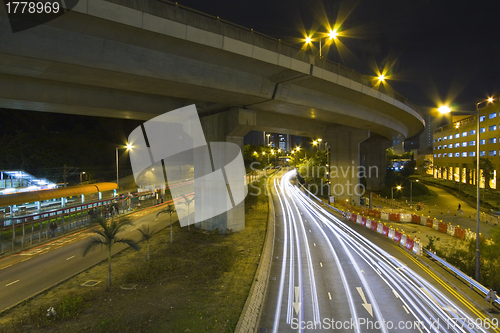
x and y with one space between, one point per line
447 110
127 147
392 193
332 35
81 173
268 135
411 193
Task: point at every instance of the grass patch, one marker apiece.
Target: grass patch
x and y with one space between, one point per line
197 284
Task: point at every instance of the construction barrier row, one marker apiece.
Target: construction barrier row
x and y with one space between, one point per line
406 241
433 223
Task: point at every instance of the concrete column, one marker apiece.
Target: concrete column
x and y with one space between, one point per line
230 126
373 153
344 161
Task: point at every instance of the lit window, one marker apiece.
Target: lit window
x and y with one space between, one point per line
435 148
482 153
482 142
439 155
445 138
464 154
457 144
450 137
492 128
457 135
492 115
439 147
472 153
482 130
492 140
492 153
445 146
472 132
481 118
434 155
464 134
472 143
435 140
445 154
457 154
464 144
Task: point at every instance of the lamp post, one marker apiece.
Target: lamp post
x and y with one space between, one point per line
392 194
411 193
127 147
331 36
446 110
81 173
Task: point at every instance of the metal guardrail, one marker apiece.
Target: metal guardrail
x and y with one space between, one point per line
471 281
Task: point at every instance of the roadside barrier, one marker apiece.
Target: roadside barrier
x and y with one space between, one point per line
472 283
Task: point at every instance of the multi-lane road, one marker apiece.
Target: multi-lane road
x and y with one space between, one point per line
326 275
34 270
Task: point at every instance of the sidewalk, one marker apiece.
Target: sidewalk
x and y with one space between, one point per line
445 207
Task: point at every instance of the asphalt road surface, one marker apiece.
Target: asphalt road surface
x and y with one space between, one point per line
32 271
326 275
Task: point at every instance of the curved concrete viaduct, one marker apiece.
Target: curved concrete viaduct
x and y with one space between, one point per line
139 59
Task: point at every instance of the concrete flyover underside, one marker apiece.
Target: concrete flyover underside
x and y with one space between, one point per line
139 59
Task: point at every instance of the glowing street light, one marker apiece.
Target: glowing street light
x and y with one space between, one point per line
445 110
332 34
128 147
381 77
392 193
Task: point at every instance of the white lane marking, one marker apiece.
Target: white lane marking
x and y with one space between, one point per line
314 244
5 267
26 259
395 293
309 230
407 312
329 296
11 283
70 258
321 264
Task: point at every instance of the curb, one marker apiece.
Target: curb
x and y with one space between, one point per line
251 313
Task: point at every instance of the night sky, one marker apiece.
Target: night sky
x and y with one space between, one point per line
438 51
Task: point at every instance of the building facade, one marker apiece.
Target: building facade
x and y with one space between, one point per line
454 147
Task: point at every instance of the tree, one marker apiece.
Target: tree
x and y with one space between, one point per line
170 210
488 169
188 203
146 236
107 235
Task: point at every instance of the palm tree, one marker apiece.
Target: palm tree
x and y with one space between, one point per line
170 210
107 236
146 235
188 202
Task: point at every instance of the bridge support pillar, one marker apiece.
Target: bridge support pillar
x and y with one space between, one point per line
230 126
344 145
374 162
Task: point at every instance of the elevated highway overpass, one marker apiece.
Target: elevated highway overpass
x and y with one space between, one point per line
139 59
